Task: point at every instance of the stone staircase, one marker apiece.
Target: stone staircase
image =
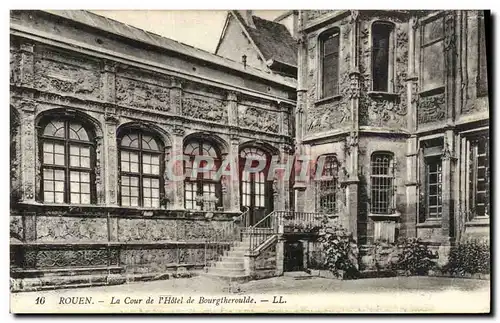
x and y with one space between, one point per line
231 266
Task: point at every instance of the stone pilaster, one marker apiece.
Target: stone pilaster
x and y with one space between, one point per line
108 78
177 183
26 64
280 256
232 108
233 181
28 150
111 156
408 223
448 162
176 97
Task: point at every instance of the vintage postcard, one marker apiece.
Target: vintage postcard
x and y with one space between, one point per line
246 161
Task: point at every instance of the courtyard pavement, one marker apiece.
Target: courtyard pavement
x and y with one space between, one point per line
291 283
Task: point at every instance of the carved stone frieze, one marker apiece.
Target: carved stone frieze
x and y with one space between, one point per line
67 79
71 229
76 258
207 108
258 119
327 116
142 95
385 113
431 108
313 14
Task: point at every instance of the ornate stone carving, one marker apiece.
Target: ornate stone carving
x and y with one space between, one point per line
147 230
313 14
431 108
178 131
207 108
327 116
142 95
74 258
71 229
67 79
258 119
386 113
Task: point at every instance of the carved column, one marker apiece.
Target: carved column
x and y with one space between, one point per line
408 223
281 180
448 161
232 108
299 185
283 119
450 52
177 184
26 64
28 150
176 97
233 181
108 78
111 156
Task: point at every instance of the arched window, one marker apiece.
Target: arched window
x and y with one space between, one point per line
382 183
382 56
327 183
68 156
141 166
329 61
203 190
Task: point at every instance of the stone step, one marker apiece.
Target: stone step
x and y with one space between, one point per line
226 271
230 265
232 259
229 278
236 253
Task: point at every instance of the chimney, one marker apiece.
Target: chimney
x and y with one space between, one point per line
247 16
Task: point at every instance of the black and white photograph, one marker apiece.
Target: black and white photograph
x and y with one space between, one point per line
250 161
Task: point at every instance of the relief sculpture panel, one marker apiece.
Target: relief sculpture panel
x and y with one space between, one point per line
431 109
137 94
204 107
327 116
258 119
71 229
67 79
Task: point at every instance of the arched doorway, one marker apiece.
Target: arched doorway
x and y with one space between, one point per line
255 188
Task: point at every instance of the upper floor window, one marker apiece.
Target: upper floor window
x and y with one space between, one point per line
382 183
482 82
329 45
326 185
432 54
202 189
382 56
141 165
67 162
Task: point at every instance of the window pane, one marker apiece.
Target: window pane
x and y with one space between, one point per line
59 197
48 197
85 199
75 198
433 66
381 34
433 30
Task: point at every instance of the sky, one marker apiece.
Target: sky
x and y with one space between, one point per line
200 28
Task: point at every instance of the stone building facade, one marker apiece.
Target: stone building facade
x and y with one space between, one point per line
98 110
393 104
398 101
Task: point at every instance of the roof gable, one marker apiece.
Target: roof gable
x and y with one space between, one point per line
272 39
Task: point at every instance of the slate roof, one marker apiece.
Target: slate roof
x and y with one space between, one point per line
131 32
273 39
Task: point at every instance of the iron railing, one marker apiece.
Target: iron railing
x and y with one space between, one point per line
281 222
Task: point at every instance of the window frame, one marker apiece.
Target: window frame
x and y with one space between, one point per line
391 174
334 31
67 168
428 161
140 174
330 182
472 164
200 180
424 44
390 56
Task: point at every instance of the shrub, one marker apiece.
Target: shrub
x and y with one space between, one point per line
414 257
469 257
340 251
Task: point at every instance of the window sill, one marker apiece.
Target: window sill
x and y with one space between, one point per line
383 95
430 92
328 99
434 223
478 222
393 215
